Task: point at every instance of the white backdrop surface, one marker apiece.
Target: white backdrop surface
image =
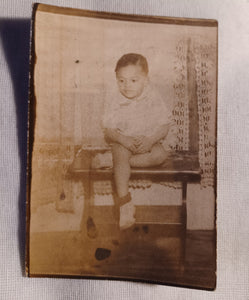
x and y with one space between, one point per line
233 157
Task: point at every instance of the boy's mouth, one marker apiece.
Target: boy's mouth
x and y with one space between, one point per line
129 91
130 94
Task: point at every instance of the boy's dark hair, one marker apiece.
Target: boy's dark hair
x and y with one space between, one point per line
132 59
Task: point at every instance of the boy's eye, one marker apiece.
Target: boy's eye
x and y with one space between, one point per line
134 80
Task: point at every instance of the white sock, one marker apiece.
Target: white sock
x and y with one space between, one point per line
127 212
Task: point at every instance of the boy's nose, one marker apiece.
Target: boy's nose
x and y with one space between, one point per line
127 84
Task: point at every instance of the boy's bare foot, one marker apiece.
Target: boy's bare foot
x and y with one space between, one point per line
102 160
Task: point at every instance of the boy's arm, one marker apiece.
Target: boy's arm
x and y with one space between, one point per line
115 136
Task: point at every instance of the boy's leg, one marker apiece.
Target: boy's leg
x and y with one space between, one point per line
124 207
122 169
155 157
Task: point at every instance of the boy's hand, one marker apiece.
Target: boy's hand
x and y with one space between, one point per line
144 145
129 143
138 140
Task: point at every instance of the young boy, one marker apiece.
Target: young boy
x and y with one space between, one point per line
136 123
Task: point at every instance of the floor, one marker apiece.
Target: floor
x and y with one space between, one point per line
145 252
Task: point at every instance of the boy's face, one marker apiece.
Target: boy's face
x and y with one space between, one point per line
131 81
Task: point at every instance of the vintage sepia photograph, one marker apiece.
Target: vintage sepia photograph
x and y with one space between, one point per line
122 147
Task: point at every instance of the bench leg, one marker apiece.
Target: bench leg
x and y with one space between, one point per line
87 222
184 224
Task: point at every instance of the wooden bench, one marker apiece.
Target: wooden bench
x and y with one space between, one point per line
182 167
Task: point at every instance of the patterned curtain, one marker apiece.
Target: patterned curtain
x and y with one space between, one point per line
205 56
179 134
195 92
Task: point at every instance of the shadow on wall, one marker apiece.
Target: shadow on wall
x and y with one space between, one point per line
15 37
